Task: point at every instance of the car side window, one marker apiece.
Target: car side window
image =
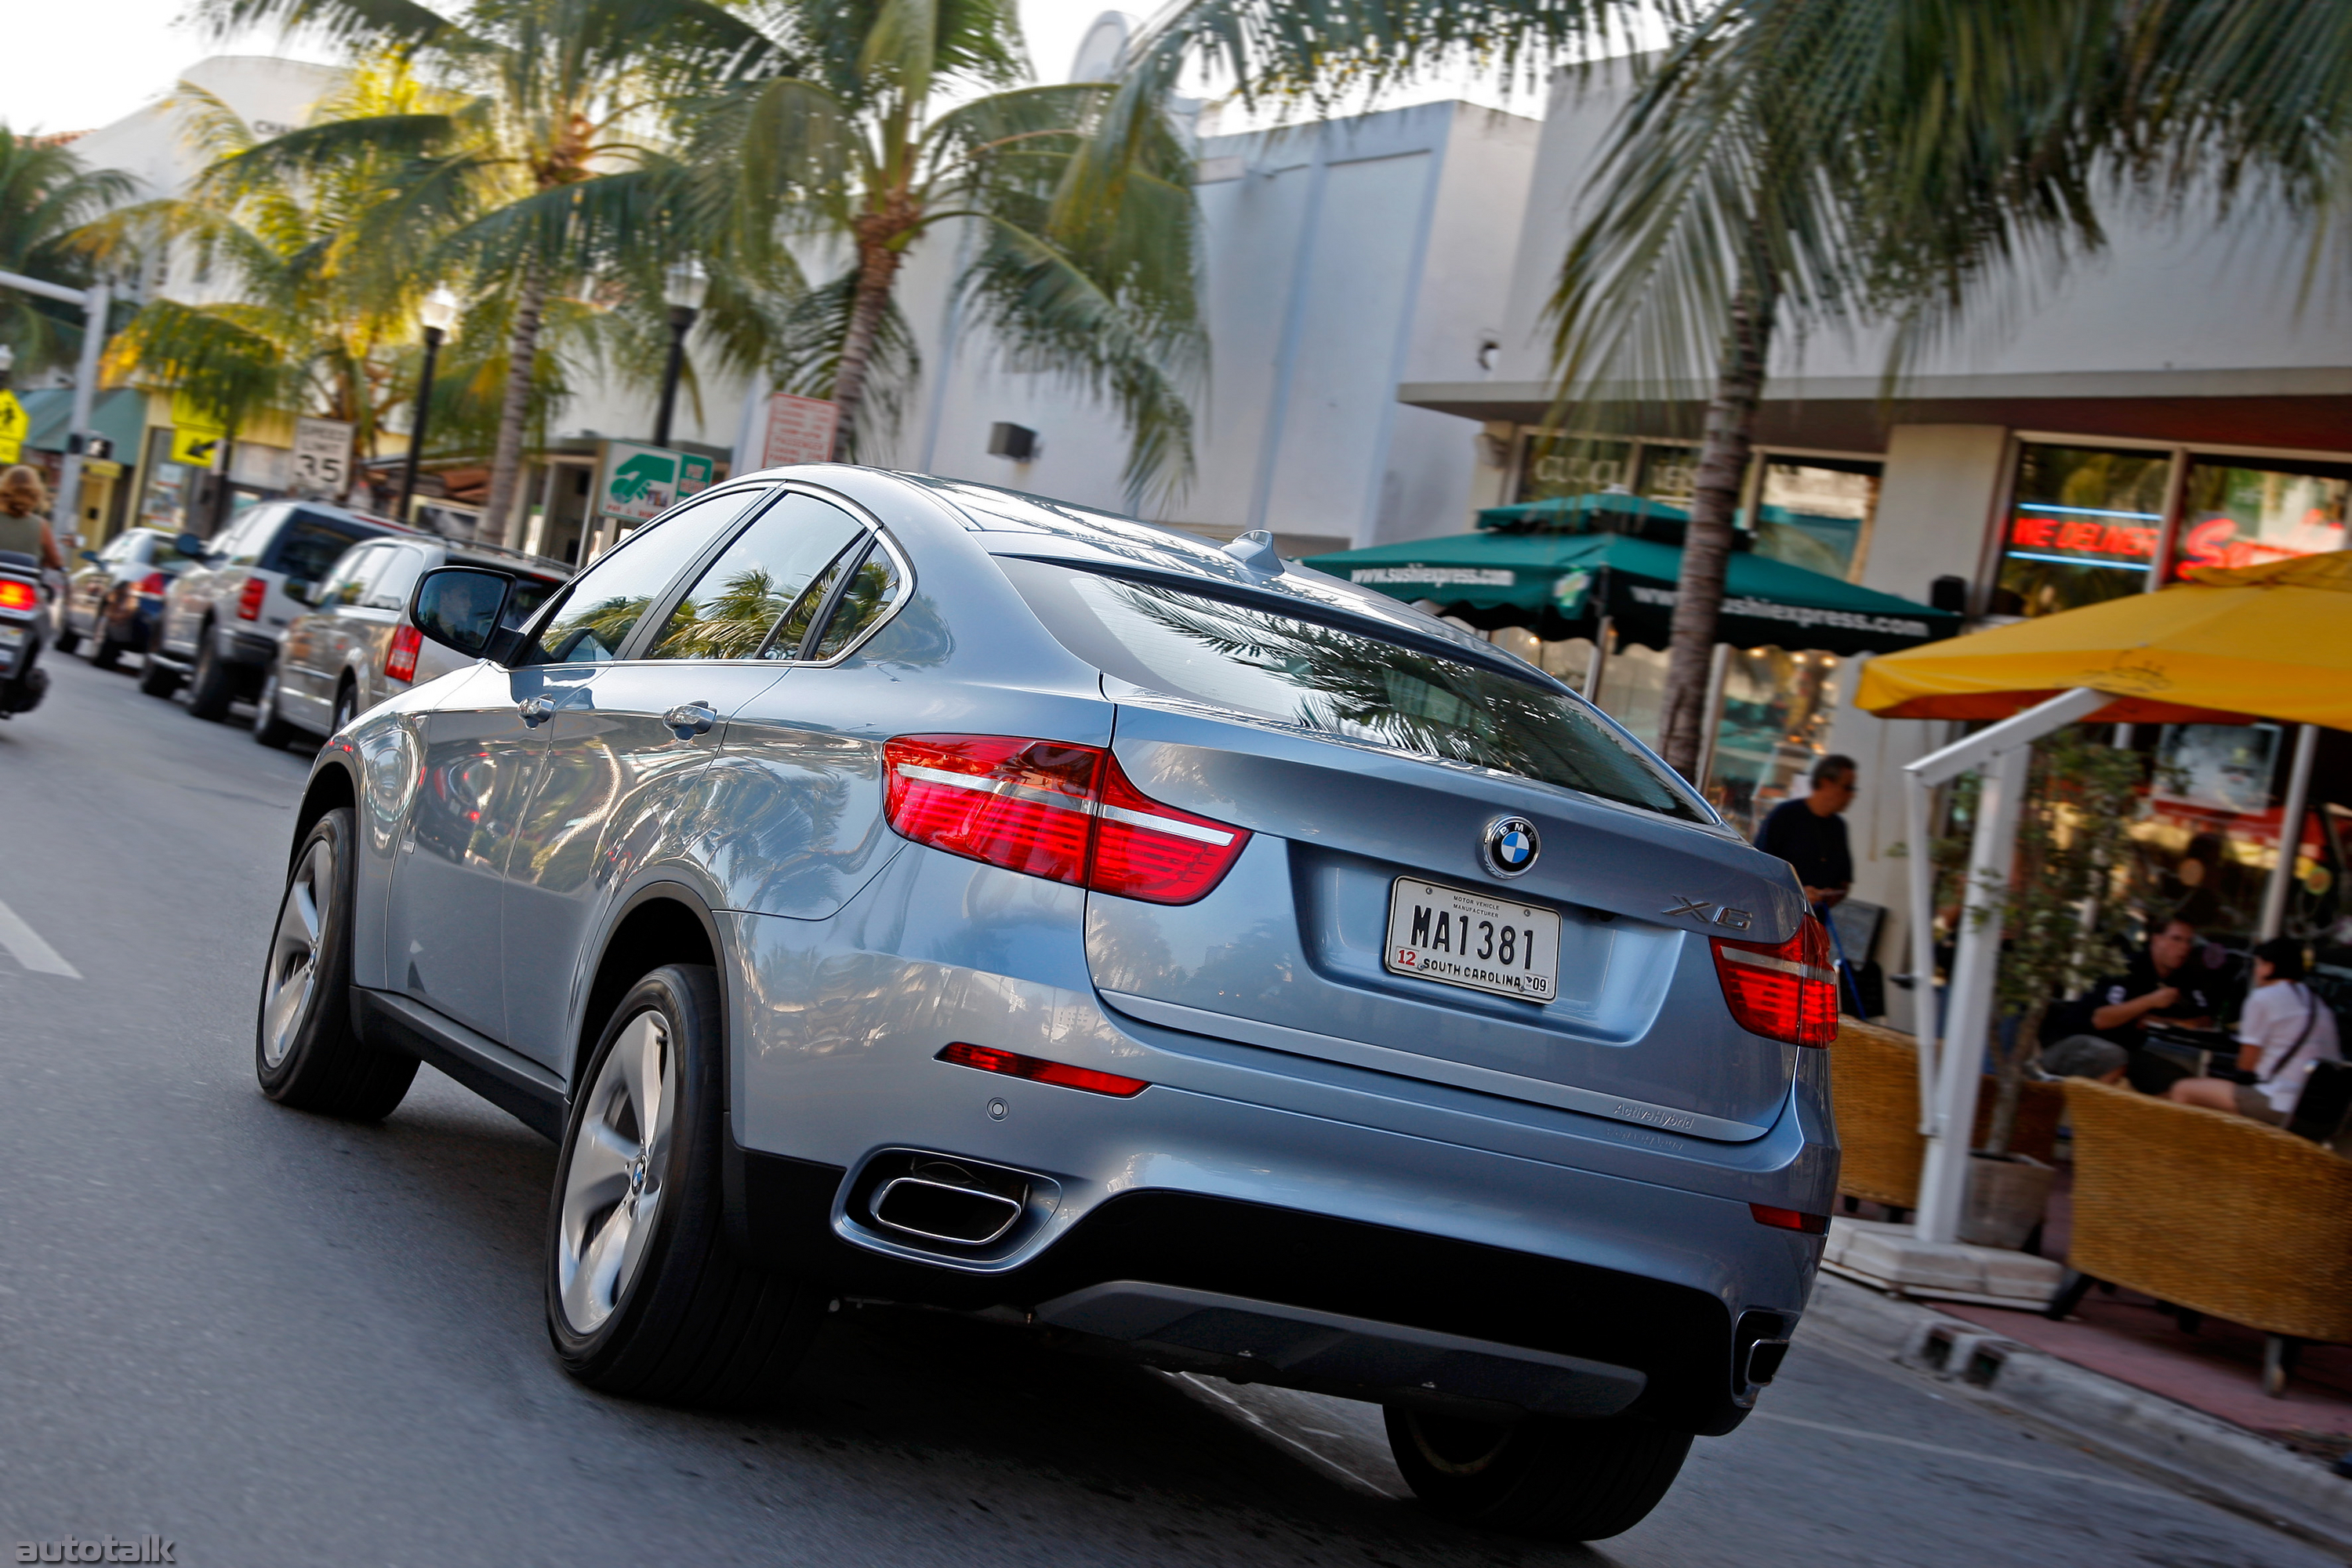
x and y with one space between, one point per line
241 545
390 588
873 587
741 596
605 603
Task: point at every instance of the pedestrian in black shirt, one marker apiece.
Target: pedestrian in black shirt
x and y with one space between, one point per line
1810 835
2165 981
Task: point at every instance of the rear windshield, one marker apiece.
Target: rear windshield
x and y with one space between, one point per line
310 543
1342 682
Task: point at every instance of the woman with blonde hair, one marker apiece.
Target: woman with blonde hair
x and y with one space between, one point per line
23 528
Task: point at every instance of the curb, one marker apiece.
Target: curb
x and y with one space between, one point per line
2194 1452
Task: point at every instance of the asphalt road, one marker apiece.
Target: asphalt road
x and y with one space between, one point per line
275 1339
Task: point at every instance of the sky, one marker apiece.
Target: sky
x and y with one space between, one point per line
85 63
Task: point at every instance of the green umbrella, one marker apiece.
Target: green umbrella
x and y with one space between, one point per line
1560 584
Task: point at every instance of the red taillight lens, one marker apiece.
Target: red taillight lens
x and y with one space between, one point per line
248 603
1790 1219
987 1059
1052 809
153 584
399 658
15 595
1784 991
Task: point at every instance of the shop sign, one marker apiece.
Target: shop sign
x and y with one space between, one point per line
14 423
2076 535
635 482
323 456
196 435
800 430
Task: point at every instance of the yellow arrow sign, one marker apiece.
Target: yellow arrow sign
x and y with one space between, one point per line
196 435
14 423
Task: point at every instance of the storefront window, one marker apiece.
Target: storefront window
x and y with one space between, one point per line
1669 475
2083 528
1776 707
2239 515
1572 465
1815 514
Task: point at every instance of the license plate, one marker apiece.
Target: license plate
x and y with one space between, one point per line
1475 940
11 636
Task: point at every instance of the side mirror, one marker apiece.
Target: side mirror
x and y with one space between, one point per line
189 546
90 556
464 608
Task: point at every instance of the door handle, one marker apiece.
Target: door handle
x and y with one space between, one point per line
536 711
690 719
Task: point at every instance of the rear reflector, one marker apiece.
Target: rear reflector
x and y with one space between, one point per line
399 658
248 603
153 584
987 1059
1052 809
15 595
1784 991
1790 1219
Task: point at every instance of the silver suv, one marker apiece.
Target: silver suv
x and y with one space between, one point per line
223 616
356 645
897 889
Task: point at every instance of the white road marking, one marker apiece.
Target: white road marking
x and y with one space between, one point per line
24 944
1967 1454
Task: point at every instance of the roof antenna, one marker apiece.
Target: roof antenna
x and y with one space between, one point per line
1255 551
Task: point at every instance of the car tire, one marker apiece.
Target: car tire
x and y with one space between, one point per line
210 686
270 728
347 708
157 678
108 654
646 1299
1562 1480
68 639
308 1051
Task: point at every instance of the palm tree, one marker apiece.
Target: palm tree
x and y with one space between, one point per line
46 196
1819 163
544 181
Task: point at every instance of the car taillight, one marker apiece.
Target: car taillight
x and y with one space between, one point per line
988 1059
248 603
15 595
1786 990
1790 1219
153 584
1052 809
399 658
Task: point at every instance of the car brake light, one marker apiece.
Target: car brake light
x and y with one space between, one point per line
248 603
399 658
1790 1219
987 1059
1048 808
15 595
153 584
1784 991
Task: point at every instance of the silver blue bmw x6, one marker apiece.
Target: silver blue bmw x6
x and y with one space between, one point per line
902 889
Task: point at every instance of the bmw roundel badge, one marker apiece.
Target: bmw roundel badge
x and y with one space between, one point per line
1511 846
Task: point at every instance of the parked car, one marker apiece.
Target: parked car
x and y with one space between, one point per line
906 889
356 645
114 598
224 614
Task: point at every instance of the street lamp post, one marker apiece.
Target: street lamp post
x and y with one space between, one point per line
93 300
686 286
439 314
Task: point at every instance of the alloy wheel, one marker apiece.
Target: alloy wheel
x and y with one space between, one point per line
294 954
613 1188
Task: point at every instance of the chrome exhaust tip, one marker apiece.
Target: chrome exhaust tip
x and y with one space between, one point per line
950 1202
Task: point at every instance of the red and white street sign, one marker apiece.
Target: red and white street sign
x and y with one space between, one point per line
800 430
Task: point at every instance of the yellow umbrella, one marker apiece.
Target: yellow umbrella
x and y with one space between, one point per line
2272 641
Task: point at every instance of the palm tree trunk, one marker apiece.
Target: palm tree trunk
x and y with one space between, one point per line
877 268
1706 542
514 413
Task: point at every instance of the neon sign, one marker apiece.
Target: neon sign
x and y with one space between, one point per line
2081 536
2215 542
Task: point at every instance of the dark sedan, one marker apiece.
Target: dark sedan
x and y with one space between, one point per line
115 595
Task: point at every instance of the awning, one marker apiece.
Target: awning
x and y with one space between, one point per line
121 416
2270 641
1560 584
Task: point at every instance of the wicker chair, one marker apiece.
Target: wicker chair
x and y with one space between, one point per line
2212 1213
1875 1088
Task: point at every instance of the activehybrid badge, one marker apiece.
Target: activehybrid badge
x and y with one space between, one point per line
1511 846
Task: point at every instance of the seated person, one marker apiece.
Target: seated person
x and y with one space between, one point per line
2285 1031
2085 1056
2165 981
